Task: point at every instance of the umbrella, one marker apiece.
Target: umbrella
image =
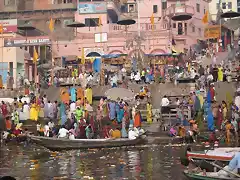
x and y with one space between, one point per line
126 21
76 25
26 27
182 17
230 14
122 93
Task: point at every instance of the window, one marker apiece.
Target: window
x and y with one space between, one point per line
164 4
204 11
67 1
238 3
174 25
180 28
8 2
193 28
185 28
217 6
224 5
198 7
199 31
131 8
91 22
229 5
155 8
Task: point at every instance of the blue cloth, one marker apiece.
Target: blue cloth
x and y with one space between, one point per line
112 112
63 115
235 162
97 65
209 98
124 133
185 122
120 115
73 94
210 120
117 107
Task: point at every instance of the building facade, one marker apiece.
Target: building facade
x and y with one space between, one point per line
155 38
102 34
225 5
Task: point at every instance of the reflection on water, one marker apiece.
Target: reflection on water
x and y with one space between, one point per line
156 162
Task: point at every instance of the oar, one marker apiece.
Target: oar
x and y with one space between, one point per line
230 172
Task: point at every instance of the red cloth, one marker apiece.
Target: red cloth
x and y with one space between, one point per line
4 110
212 93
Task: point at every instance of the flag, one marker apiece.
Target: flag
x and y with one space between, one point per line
83 57
205 18
1 28
35 55
51 25
152 19
100 21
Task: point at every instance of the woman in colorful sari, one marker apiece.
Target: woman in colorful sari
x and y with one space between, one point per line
80 94
101 104
220 73
149 112
123 130
112 110
137 119
73 94
63 115
219 118
34 112
88 95
120 115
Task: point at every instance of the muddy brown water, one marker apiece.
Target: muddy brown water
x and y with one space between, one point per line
142 162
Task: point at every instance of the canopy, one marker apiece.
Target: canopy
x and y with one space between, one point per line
122 93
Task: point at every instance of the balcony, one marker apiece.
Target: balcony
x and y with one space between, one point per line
174 10
115 30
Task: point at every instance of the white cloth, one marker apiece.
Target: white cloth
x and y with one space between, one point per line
46 130
51 125
137 77
237 101
63 133
132 134
38 127
73 107
71 137
26 112
165 102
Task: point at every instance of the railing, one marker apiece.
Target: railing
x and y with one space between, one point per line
173 10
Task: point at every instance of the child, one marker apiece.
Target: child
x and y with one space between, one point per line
172 132
228 128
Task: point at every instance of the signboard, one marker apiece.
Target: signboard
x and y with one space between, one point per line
100 37
92 8
9 25
19 42
211 32
97 50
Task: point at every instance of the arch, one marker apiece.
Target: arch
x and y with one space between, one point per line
116 52
93 54
157 51
133 51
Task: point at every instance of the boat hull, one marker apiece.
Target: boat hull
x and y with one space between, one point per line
57 144
195 176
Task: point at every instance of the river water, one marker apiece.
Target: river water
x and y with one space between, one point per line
142 162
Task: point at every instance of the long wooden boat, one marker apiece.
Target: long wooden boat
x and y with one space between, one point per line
57 144
208 176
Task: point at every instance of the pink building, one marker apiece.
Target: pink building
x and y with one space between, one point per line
111 38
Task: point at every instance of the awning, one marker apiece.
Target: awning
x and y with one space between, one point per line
177 50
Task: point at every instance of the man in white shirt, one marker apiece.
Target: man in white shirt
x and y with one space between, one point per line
165 101
131 133
46 130
137 77
63 132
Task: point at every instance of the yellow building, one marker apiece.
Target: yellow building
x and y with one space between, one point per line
226 5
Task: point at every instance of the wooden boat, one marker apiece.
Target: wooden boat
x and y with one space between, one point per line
208 176
67 144
222 155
